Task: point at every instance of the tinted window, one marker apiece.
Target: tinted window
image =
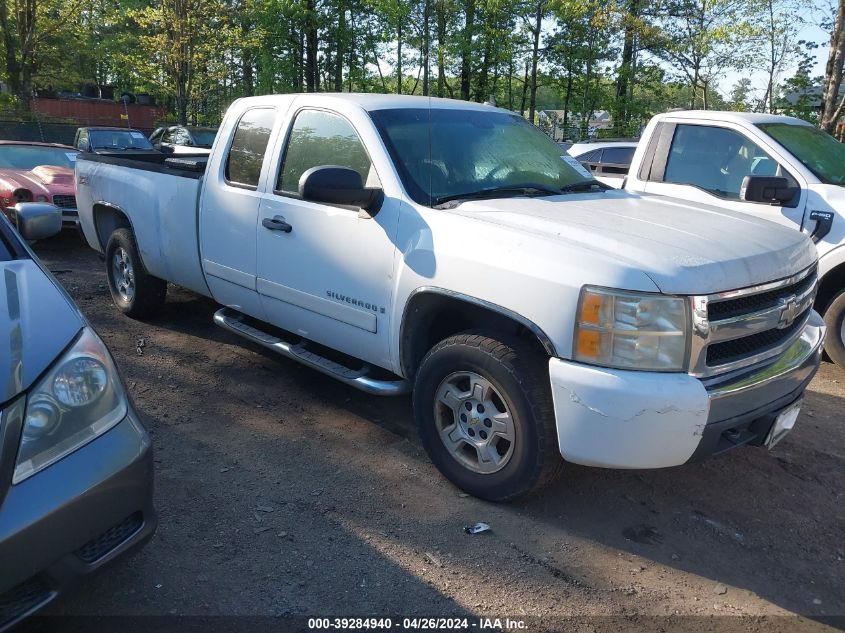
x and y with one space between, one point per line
180 136
618 155
204 138
590 157
243 165
321 138
443 152
716 160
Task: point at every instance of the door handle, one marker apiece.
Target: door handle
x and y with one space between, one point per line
277 223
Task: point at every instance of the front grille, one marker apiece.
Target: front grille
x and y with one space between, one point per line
727 351
107 541
65 202
730 308
741 328
19 600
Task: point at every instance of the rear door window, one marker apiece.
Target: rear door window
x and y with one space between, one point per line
249 145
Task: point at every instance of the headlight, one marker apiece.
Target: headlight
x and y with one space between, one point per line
631 330
41 198
79 398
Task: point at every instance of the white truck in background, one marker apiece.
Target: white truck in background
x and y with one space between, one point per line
447 248
774 167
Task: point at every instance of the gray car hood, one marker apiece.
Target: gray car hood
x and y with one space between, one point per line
684 248
37 321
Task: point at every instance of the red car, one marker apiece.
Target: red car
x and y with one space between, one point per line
38 172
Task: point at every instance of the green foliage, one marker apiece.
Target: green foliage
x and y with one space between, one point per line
632 58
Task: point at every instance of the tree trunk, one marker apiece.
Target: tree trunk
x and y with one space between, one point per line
833 72
425 44
524 88
440 13
466 49
535 56
399 57
341 39
626 74
312 75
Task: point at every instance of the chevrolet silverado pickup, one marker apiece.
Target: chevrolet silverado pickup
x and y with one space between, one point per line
774 167
452 250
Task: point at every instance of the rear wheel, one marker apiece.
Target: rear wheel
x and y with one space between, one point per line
485 416
834 318
134 291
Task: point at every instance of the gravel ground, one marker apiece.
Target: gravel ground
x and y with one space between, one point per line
282 492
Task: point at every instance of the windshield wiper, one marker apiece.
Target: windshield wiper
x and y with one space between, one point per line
498 192
584 185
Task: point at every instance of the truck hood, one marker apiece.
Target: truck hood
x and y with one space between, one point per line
684 248
37 322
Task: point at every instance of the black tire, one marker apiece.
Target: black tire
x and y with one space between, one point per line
834 318
148 292
520 376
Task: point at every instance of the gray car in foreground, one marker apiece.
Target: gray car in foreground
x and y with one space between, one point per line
76 468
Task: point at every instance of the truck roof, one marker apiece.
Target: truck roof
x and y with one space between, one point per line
370 101
753 118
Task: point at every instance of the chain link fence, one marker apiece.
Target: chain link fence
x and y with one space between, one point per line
44 132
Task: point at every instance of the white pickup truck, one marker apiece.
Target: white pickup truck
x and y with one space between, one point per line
447 248
774 167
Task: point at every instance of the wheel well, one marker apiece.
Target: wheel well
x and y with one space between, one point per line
431 317
106 221
830 286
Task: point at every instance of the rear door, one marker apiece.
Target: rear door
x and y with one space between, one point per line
230 202
329 278
707 164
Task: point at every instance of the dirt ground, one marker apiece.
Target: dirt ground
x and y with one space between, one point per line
282 492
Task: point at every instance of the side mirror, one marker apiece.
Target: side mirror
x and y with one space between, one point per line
37 220
770 189
339 185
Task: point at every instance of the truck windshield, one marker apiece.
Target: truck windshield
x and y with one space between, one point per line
818 151
452 154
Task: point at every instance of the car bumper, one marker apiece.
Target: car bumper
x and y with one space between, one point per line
74 517
70 218
632 419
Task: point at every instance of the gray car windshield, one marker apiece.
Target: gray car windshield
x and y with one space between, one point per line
818 151
450 154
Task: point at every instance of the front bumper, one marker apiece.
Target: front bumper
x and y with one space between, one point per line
72 518
632 419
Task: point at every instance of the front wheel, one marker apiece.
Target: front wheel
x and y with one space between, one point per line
834 318
485 416
135 292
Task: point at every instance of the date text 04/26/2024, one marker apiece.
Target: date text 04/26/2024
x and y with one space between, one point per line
417 624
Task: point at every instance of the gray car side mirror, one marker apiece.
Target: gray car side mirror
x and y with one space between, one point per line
37 220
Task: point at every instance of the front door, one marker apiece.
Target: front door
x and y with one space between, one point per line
329 277
707 164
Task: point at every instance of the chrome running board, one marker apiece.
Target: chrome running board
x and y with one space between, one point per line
232 320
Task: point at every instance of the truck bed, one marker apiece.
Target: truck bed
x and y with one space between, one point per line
159 196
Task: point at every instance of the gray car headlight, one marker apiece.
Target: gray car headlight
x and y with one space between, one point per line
631 330
80 398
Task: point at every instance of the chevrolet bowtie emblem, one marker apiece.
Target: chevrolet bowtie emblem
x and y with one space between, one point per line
789 311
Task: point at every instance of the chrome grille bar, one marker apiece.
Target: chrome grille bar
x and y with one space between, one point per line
785 311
